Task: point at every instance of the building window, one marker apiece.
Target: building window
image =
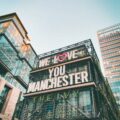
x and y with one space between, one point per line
3 96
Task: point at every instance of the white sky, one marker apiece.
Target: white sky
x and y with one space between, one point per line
52 24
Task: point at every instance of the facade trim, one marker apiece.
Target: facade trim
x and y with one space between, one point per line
63 88
73 61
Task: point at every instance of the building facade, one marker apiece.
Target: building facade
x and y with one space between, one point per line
109 39
16 60
67 84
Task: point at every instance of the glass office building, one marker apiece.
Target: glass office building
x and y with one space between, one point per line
109 39
16 60
67 84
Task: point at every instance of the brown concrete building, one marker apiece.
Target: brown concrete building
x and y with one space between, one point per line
16 60
12 95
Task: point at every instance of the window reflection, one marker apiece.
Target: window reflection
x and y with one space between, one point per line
85 102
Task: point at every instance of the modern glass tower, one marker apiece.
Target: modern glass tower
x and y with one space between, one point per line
16 60
109 39
67 84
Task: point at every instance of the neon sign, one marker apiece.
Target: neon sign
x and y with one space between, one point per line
63 57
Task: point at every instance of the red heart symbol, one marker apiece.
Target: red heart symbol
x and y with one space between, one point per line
62 57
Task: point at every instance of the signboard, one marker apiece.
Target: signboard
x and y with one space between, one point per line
58 77
63 57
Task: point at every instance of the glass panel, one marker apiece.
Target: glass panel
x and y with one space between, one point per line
17 40
10 58
7 53
85 102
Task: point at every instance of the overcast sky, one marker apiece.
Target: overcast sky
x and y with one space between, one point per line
52 24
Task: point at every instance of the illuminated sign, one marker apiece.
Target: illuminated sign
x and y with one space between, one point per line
58 78
63 57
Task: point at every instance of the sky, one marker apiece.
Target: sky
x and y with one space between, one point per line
53 24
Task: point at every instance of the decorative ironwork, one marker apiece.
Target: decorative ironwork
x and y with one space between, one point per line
67 105
87 43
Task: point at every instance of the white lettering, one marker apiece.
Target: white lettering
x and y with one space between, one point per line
56 71
75 54
55 59
44 62
37 86
50 72
84 76
53 82
44 84
77 78
70 54
71 76
62 70
65 80
31 87
59 81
